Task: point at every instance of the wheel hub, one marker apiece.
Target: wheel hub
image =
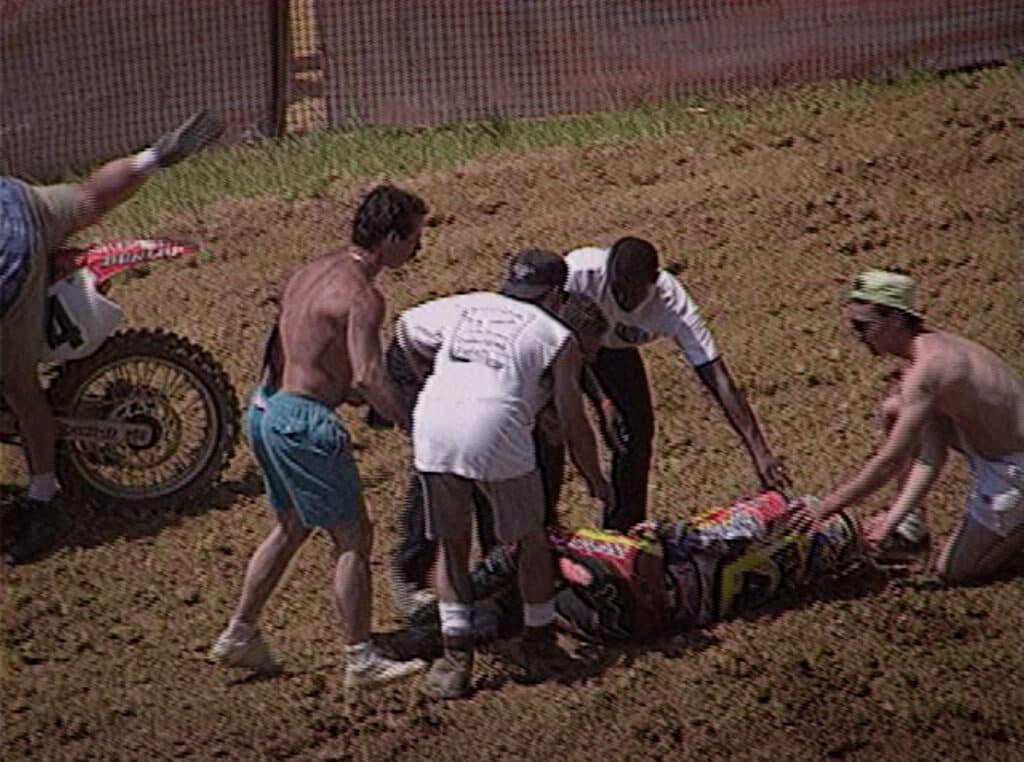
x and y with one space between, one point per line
147 407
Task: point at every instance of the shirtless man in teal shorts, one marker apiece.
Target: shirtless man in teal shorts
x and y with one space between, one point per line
324 351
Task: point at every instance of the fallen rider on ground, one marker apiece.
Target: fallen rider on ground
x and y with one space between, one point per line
663 577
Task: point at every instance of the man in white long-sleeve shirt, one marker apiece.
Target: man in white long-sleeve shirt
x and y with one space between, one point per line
642 303
495 360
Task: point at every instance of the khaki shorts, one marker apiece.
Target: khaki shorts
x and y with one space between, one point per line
517 505
23 328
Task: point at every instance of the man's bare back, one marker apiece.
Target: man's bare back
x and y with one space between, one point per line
319 302
973 388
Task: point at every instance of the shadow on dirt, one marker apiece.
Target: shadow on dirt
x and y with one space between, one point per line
866 580
422 640
85 525
595 659
589 660
1013 570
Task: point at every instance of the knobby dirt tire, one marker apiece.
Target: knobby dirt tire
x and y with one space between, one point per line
78 478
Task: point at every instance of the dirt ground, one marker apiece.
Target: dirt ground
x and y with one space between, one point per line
765 223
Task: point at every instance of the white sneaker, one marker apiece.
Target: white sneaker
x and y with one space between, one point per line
244 651
374 670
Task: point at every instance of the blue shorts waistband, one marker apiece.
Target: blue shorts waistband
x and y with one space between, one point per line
289 400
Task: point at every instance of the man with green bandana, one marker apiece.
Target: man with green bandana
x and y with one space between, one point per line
953 393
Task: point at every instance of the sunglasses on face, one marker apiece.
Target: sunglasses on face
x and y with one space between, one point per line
860 326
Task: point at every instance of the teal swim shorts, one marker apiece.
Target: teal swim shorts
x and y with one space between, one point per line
306 457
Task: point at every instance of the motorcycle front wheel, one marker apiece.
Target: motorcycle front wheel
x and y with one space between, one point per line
173 388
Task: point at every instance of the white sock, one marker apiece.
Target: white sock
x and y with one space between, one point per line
359 652
456 618
146 162
43 487
539 614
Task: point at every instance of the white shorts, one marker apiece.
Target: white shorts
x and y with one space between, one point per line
996 497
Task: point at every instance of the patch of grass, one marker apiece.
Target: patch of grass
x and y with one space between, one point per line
297 167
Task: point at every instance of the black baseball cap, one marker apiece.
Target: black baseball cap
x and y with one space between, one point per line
534 272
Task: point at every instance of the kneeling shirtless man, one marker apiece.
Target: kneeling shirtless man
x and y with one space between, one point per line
956 394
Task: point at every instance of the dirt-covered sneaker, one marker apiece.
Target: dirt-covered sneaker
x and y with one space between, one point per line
376 669
542 657
898 550
191 136
244 650
449 677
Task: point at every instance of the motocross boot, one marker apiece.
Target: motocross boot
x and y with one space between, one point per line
191 136
542 657
36 532
14 523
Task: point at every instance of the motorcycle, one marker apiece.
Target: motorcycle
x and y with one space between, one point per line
145 417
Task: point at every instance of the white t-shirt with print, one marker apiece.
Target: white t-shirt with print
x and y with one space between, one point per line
667 311
475 414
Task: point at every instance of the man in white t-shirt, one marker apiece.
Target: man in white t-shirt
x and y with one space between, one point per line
413 559
642 303
495 360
